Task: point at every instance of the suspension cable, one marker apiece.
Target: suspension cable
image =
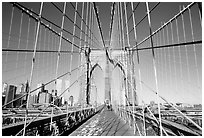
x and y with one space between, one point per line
32 67
19 41
131 65
194 50
9 38
85 25
155 119
155 70
152 113
111 24
144 17
72 48
27 11
28 34
81 26
132 12
175 17
189 119
40 87
47 106
186 50
174 56
168 52
135 90
99 24
58 55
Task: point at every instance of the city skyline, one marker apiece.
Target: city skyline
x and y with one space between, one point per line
19 63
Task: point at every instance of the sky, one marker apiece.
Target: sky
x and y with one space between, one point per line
174 85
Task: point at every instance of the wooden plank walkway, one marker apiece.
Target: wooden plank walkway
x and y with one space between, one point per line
105 123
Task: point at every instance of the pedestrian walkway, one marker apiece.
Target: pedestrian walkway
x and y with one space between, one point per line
106 123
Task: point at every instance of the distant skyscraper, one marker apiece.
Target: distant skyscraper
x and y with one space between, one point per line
44 97
71 100
22 89
59 86
42 87
4 89
10 95
18 102
32 100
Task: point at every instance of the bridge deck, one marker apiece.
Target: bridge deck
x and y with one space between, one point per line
106 123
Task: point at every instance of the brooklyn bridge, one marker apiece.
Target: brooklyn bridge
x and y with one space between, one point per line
101 69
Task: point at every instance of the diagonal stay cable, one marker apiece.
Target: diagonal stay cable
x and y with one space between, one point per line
84 22
111 24
99 24
50 104
133 87
132 12
173 106
168 22
41 86
75 24
28 12
52 22
32 66
144 17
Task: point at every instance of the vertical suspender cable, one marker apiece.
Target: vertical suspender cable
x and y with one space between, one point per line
155 71
179 50
160 42
58 58
9 38
138 60
43 55
50 58
189 119
124 59
200 12
168 51
73 39
88 54
86 38
90 35
186 50
174 56
32 67
165 57
131 64
38 57
72 48
119 29
28 34
155 119
19 41
120 58
194 50
80 44
127 54
87 64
